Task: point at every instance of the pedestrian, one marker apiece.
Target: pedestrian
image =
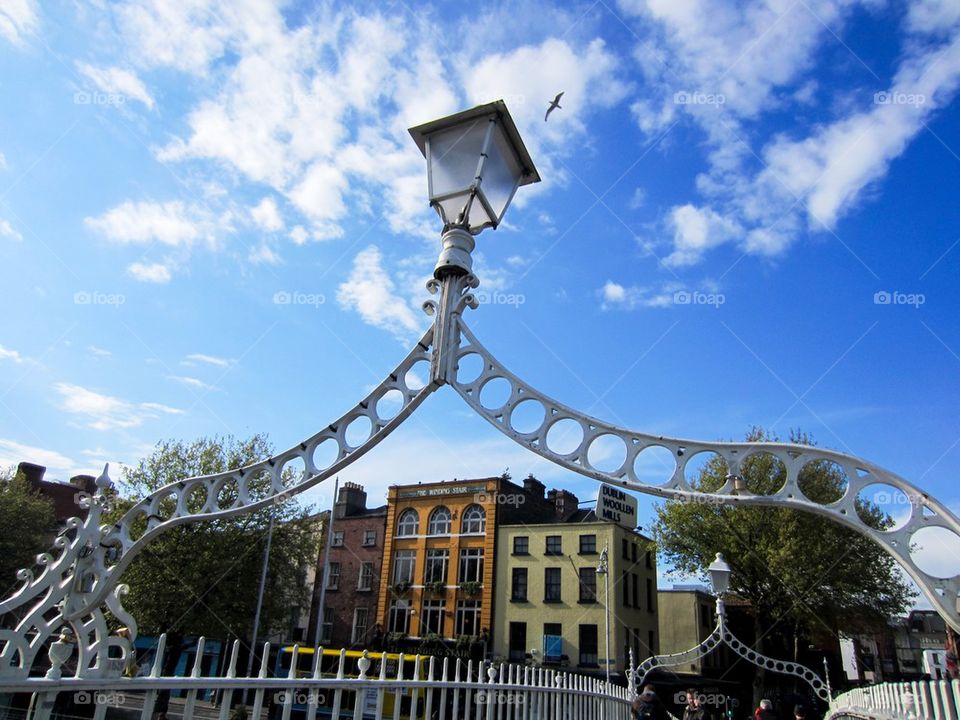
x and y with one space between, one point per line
694 710
647 706
799 712
765 711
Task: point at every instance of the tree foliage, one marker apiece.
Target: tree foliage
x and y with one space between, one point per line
798 569
27 527
203 578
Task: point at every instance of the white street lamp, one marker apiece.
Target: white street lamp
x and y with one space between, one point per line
719 575
476 160
604 569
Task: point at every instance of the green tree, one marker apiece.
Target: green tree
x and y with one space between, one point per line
28 525
202 578
804 575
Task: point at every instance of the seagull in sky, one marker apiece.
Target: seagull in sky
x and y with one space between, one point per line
554 104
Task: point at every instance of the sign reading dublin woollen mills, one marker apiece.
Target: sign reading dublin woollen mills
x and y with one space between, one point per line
616 506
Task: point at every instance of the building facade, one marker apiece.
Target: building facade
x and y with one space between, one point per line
551 600
437 579
687 617
353 573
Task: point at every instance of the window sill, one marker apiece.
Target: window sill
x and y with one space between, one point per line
554 554
553 602
520 554
588 552
520 601
587 602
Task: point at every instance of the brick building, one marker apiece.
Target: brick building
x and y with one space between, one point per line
63 495
353 575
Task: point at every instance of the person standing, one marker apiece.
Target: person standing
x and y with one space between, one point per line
647 706
765 711
694 710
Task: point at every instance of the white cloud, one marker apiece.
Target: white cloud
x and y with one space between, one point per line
154 273
757 58
7 354
13 453
208 359
369 291
614 296
3 161
696 230
191 382
104 412
299 235
18 18
169 223
263 254
6 230
99 352
266 216
117 81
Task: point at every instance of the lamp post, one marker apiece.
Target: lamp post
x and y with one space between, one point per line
720 573
604 569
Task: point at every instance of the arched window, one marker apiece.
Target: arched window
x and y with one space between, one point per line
439 522
474 520
409 522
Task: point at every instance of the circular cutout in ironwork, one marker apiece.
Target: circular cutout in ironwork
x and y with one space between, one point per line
358 431
469 368
564 436
884 507
706 471
389 404
325 453
936 551
823 481
495 392
654 465
607 453
764 473
527 416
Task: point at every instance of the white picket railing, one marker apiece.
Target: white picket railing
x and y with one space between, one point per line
418 687
932 700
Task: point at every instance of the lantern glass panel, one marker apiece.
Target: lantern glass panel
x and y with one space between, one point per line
501 174
454 154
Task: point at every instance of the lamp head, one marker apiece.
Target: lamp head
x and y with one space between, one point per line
719 575
476 160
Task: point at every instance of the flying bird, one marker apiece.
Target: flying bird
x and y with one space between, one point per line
554 104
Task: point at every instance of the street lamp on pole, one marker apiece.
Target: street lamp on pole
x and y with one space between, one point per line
604 569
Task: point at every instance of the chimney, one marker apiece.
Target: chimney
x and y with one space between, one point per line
564 502
32 473
351 500
87 483
534 486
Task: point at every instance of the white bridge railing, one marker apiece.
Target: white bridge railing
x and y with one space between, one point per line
932 700
321 684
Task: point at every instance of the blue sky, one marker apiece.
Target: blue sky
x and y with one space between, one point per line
169 170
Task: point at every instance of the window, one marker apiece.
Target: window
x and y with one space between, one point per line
468 617
521 545
633 552
359 633
551 585
554 545
624 580
649 595
471 565
649 560
588 544
552 642
403 563
439 523
624 549
326 632
366 576
398 617
337 540
518 642
588 585
431 618
518 585
474 520
635 580
333 576
409 523
369 538
705 616
588 646
652 642
435 569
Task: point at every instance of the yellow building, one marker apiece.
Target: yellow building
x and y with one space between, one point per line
550 599
438 570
